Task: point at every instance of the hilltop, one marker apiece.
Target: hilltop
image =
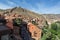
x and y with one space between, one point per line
32 15
27 14
52 17
27 24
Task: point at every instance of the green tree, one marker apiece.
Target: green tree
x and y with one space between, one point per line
52 33
17 21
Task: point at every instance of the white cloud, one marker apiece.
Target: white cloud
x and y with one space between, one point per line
26 4
11 3
43 9
40 7
4 6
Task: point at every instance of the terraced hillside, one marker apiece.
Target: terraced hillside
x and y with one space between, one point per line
27 14
52 17
32 15
34 22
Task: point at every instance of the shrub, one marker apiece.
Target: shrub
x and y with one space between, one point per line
53 33
17 21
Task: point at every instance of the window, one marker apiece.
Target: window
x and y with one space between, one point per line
35 34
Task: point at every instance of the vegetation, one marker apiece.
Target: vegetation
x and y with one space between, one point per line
52 32
33 22
17 21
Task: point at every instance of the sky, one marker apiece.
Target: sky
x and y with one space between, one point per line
38 6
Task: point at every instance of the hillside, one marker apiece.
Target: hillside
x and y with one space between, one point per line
29 25
31 15
27 14
52 17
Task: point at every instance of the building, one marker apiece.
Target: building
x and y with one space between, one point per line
35 31
4 30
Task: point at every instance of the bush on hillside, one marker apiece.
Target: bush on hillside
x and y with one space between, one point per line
17 21
52 33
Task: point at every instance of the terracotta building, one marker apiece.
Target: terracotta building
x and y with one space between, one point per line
35 31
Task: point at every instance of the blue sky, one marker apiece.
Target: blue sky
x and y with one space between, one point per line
39 6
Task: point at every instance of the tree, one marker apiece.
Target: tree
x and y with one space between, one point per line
53 33
17 21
